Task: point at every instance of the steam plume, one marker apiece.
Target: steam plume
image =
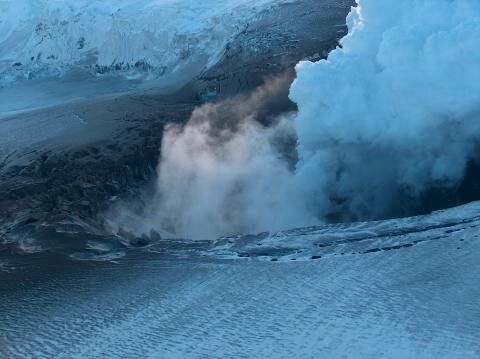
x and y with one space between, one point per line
393 111
229 170
396 109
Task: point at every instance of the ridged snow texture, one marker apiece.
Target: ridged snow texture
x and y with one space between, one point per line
42 37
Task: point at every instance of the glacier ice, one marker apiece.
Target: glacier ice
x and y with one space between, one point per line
41 38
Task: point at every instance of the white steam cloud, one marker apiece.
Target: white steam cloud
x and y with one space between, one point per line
394 110
226 173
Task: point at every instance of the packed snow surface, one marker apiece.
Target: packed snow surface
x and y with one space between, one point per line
391 289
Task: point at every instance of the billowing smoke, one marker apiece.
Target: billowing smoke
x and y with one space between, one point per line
229 170
393 111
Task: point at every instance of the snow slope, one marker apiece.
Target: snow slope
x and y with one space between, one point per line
152 37
392 289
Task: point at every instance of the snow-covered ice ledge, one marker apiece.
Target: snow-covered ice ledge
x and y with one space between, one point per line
102 47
